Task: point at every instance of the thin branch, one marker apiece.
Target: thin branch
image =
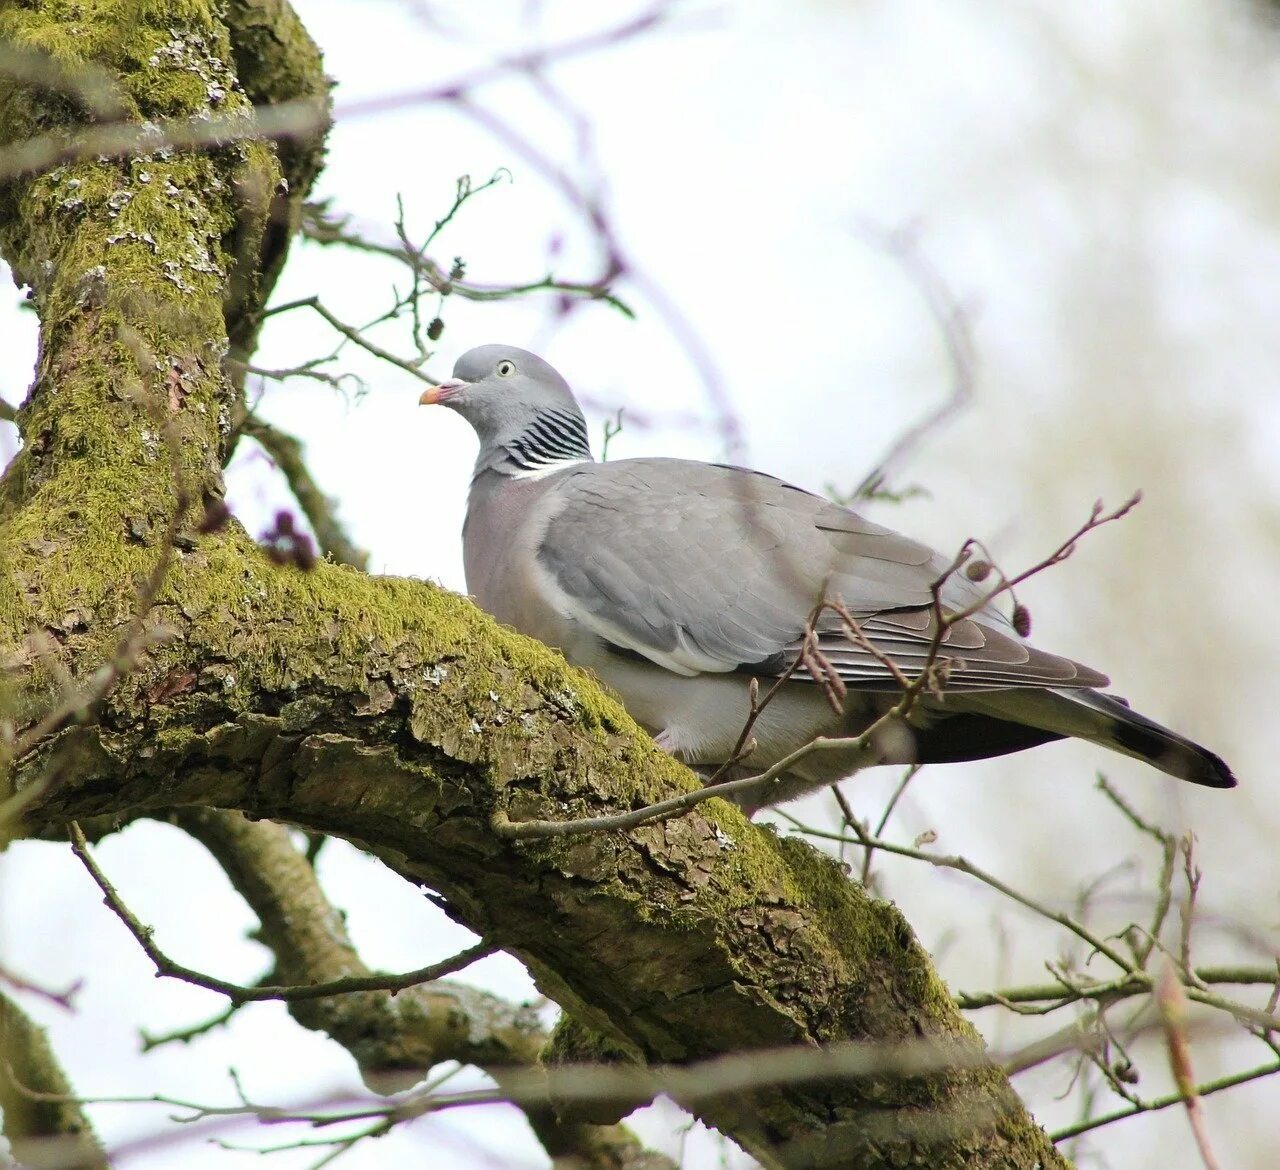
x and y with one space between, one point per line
1204 1089
64 999
192 1032
300 118
355 335
1137 984
239 993
635 1084
964 865
325 228
1164 886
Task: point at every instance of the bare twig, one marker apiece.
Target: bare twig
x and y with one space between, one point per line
64 999
1187 909
1205 1089
324 227
1058 994
192 1032
635 1084
300 118
612 429
910 774
1143 946
964 865
356 336
239 993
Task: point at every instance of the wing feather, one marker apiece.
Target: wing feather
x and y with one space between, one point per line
706 568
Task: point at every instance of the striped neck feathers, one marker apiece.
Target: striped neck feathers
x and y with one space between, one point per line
555 439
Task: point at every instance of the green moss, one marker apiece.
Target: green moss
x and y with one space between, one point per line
168 55
129 261
571 1043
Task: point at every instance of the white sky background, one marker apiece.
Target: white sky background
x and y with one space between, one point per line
1099 182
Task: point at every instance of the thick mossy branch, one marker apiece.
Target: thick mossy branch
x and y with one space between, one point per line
43 1124
392 713
386 711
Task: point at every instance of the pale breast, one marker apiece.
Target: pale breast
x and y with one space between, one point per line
506 518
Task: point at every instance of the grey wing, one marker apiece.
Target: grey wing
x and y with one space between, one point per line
698 567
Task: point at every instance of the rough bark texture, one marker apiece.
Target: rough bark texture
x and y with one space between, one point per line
385 711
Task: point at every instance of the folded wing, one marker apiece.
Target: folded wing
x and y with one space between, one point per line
705 568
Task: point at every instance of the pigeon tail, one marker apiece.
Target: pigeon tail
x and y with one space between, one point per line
1106 720
1135 735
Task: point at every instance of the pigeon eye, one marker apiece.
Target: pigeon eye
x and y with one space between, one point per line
505 369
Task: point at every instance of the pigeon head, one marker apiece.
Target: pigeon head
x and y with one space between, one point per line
522 409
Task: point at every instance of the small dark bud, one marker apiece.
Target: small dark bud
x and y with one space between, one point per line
216 515
1125 1073
1021 620
435 329
459 269
978 570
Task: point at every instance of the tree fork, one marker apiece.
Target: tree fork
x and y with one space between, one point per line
387 711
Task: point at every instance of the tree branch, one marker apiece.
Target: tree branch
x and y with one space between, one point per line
41 1133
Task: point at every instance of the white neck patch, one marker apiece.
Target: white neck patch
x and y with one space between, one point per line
545 469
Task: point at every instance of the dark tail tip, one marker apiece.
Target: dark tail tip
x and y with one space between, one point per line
1171 753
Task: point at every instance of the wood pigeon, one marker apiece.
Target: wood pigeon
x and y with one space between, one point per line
677 582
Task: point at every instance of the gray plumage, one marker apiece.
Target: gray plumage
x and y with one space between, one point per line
677 581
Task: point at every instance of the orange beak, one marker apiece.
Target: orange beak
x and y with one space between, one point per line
434 395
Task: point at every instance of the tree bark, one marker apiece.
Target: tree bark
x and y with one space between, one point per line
386 711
